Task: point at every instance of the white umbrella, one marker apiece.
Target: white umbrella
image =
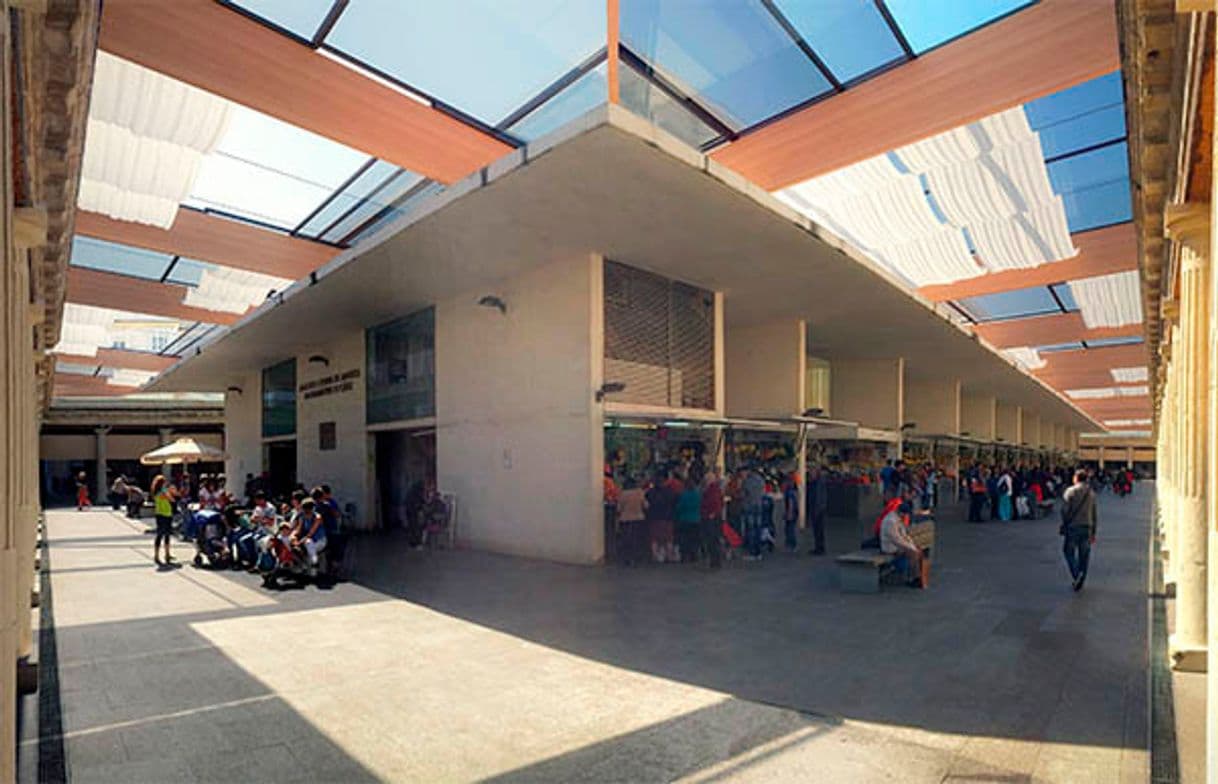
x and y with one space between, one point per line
184 450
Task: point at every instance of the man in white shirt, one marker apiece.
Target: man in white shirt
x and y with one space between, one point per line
895 540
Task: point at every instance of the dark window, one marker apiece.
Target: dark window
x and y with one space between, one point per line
659 339
279 399
402 368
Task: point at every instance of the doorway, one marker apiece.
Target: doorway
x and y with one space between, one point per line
405 460
279 462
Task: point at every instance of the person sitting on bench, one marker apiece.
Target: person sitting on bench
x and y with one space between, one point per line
895 540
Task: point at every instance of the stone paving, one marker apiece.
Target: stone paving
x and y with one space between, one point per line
463 666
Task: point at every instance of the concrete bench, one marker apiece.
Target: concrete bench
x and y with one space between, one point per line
862 570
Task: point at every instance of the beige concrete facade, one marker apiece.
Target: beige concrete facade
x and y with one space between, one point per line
934 406
1008 423
870 392
979 416
765 369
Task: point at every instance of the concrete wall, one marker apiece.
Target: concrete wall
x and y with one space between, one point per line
933 405
1007 425
344 468
978 416
243 430
1029 428
764 369
869 391
518 436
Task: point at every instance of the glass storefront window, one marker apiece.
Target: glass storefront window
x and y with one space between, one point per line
402 368
279 399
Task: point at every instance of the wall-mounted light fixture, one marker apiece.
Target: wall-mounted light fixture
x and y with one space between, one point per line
813 412
908 426
609 388
318 359
491 301
235 389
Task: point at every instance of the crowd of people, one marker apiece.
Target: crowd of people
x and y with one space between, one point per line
1011 492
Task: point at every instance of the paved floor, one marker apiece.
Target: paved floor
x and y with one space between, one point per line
459 666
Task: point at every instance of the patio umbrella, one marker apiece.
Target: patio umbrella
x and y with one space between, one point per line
184 450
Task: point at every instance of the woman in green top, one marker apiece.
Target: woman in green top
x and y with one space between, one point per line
164 498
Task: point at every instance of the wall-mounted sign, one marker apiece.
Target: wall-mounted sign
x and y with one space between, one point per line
327 436
329 385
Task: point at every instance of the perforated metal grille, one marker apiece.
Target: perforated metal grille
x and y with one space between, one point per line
659 339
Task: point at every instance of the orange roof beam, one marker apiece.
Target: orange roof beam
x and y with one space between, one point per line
216 49
1040 50
122 292
122 358
1100 252
206 237
1048 330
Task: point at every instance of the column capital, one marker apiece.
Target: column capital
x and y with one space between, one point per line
1189 225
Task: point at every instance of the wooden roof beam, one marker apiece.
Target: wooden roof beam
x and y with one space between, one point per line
206 237
1048 330
122 292
1040 50
216 49
1100 252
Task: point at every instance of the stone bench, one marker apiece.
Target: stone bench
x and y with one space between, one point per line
862 570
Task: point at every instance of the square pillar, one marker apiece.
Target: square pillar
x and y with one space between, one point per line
979 416
869 391
765 369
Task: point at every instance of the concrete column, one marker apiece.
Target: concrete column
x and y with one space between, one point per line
164 436
1211 498
933 405
765 369
1007 428
1170 424
978 416
1188 642
103 486
869 391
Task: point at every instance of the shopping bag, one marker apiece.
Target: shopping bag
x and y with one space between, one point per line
729 534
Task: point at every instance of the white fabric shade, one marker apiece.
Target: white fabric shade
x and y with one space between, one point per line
130 378
1108 392
1025 357
1130 375
1109 300
86 329
147 134
987 179
232 290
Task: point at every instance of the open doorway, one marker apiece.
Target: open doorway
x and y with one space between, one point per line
405 460
279 462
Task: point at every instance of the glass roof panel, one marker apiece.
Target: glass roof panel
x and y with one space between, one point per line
301 17
188 272
1060 347
270 171
347 198
1101 342
586 93
929 23
75 368
1063 292
1094 187
1033 301
400 207
392 189
850 36
485 57
646 100
1080 116
123 259
731 56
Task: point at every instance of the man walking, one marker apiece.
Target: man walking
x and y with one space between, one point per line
1078 527
817 503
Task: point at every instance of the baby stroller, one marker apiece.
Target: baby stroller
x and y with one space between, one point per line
211 540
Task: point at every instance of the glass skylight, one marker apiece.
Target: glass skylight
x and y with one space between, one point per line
1102 342
1079 117
1074 346
929 23
485 57
732 57
270 171
1019 303
188 272
850 36
646 100
583 95
300 17
1094 186
122 259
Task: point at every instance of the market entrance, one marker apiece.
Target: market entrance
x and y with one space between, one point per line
279 463
405 463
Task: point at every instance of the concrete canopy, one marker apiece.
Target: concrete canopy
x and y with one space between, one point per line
612 184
